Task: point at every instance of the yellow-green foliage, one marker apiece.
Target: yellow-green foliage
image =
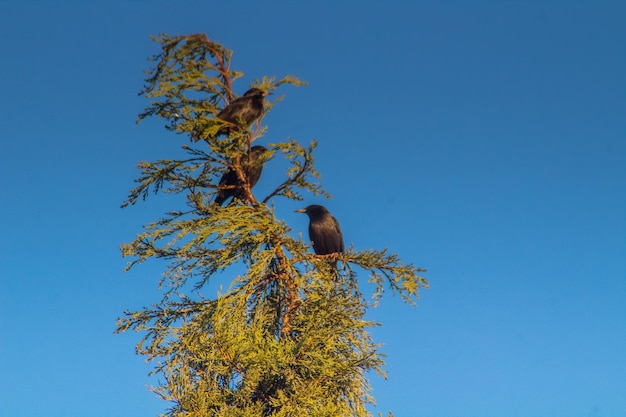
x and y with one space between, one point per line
288 337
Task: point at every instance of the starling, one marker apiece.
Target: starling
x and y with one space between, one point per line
243 110
324 230
230 184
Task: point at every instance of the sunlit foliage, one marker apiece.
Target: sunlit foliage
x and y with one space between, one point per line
288 336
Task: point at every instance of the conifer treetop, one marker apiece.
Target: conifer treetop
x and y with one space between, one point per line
285 335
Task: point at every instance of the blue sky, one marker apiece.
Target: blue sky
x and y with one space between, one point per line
485 141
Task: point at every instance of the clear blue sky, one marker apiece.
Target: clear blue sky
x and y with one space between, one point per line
485 141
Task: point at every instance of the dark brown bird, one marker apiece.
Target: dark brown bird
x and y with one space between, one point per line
324 230
243 110
230 184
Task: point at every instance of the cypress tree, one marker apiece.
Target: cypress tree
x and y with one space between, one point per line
288 336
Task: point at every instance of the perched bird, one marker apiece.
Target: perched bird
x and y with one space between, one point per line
243 110
324 230
230 184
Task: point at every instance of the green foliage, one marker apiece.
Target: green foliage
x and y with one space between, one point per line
288 337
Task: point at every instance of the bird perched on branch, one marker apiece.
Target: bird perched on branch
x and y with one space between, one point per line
324 230
243 110
231 185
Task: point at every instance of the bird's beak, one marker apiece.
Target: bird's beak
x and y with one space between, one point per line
266 93
301 211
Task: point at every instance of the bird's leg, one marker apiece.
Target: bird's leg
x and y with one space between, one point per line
332 256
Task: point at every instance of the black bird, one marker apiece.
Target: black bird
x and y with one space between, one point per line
324 230
230 184
243 110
